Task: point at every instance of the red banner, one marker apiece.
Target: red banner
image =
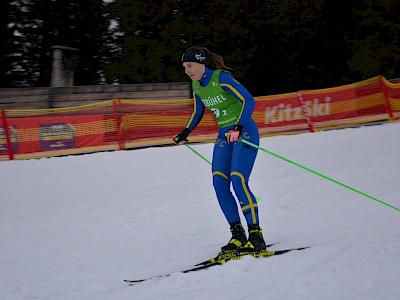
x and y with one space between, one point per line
121 124
30 135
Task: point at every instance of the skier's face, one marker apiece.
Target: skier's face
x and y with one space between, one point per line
194 70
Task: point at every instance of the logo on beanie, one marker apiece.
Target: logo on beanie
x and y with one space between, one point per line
199 57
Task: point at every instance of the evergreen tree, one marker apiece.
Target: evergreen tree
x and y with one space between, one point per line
141 49
42 24
374 41
275 46
6 34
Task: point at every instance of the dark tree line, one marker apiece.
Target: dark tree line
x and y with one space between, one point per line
34 26
275 46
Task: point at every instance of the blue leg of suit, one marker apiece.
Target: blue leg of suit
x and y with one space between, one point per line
232 164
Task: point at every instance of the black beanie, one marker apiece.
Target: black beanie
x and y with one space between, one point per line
198 56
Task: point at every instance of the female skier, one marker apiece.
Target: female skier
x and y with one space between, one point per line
215 88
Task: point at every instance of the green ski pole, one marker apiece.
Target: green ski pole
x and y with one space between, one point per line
201 156
319 174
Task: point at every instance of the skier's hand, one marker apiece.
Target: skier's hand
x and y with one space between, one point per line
233 134
181 138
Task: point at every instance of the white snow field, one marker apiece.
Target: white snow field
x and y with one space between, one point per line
73 228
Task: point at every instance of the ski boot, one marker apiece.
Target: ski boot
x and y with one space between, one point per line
256 242
238 238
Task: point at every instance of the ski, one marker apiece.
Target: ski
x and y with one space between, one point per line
219 260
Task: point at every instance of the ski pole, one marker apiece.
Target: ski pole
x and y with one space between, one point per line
319 174
201 156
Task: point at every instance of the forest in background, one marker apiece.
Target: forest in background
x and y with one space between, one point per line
275 46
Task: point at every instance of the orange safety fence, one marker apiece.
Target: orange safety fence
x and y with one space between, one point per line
122 124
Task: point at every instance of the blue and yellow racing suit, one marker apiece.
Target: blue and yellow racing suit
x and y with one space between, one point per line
232 105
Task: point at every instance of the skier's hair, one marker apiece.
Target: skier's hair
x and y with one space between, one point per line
204 56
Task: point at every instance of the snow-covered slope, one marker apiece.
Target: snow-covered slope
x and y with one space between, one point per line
72 228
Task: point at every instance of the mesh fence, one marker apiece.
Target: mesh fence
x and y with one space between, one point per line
122 124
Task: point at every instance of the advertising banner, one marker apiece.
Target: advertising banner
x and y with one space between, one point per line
40 134
13 132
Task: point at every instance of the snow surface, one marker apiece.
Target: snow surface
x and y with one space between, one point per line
74 227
